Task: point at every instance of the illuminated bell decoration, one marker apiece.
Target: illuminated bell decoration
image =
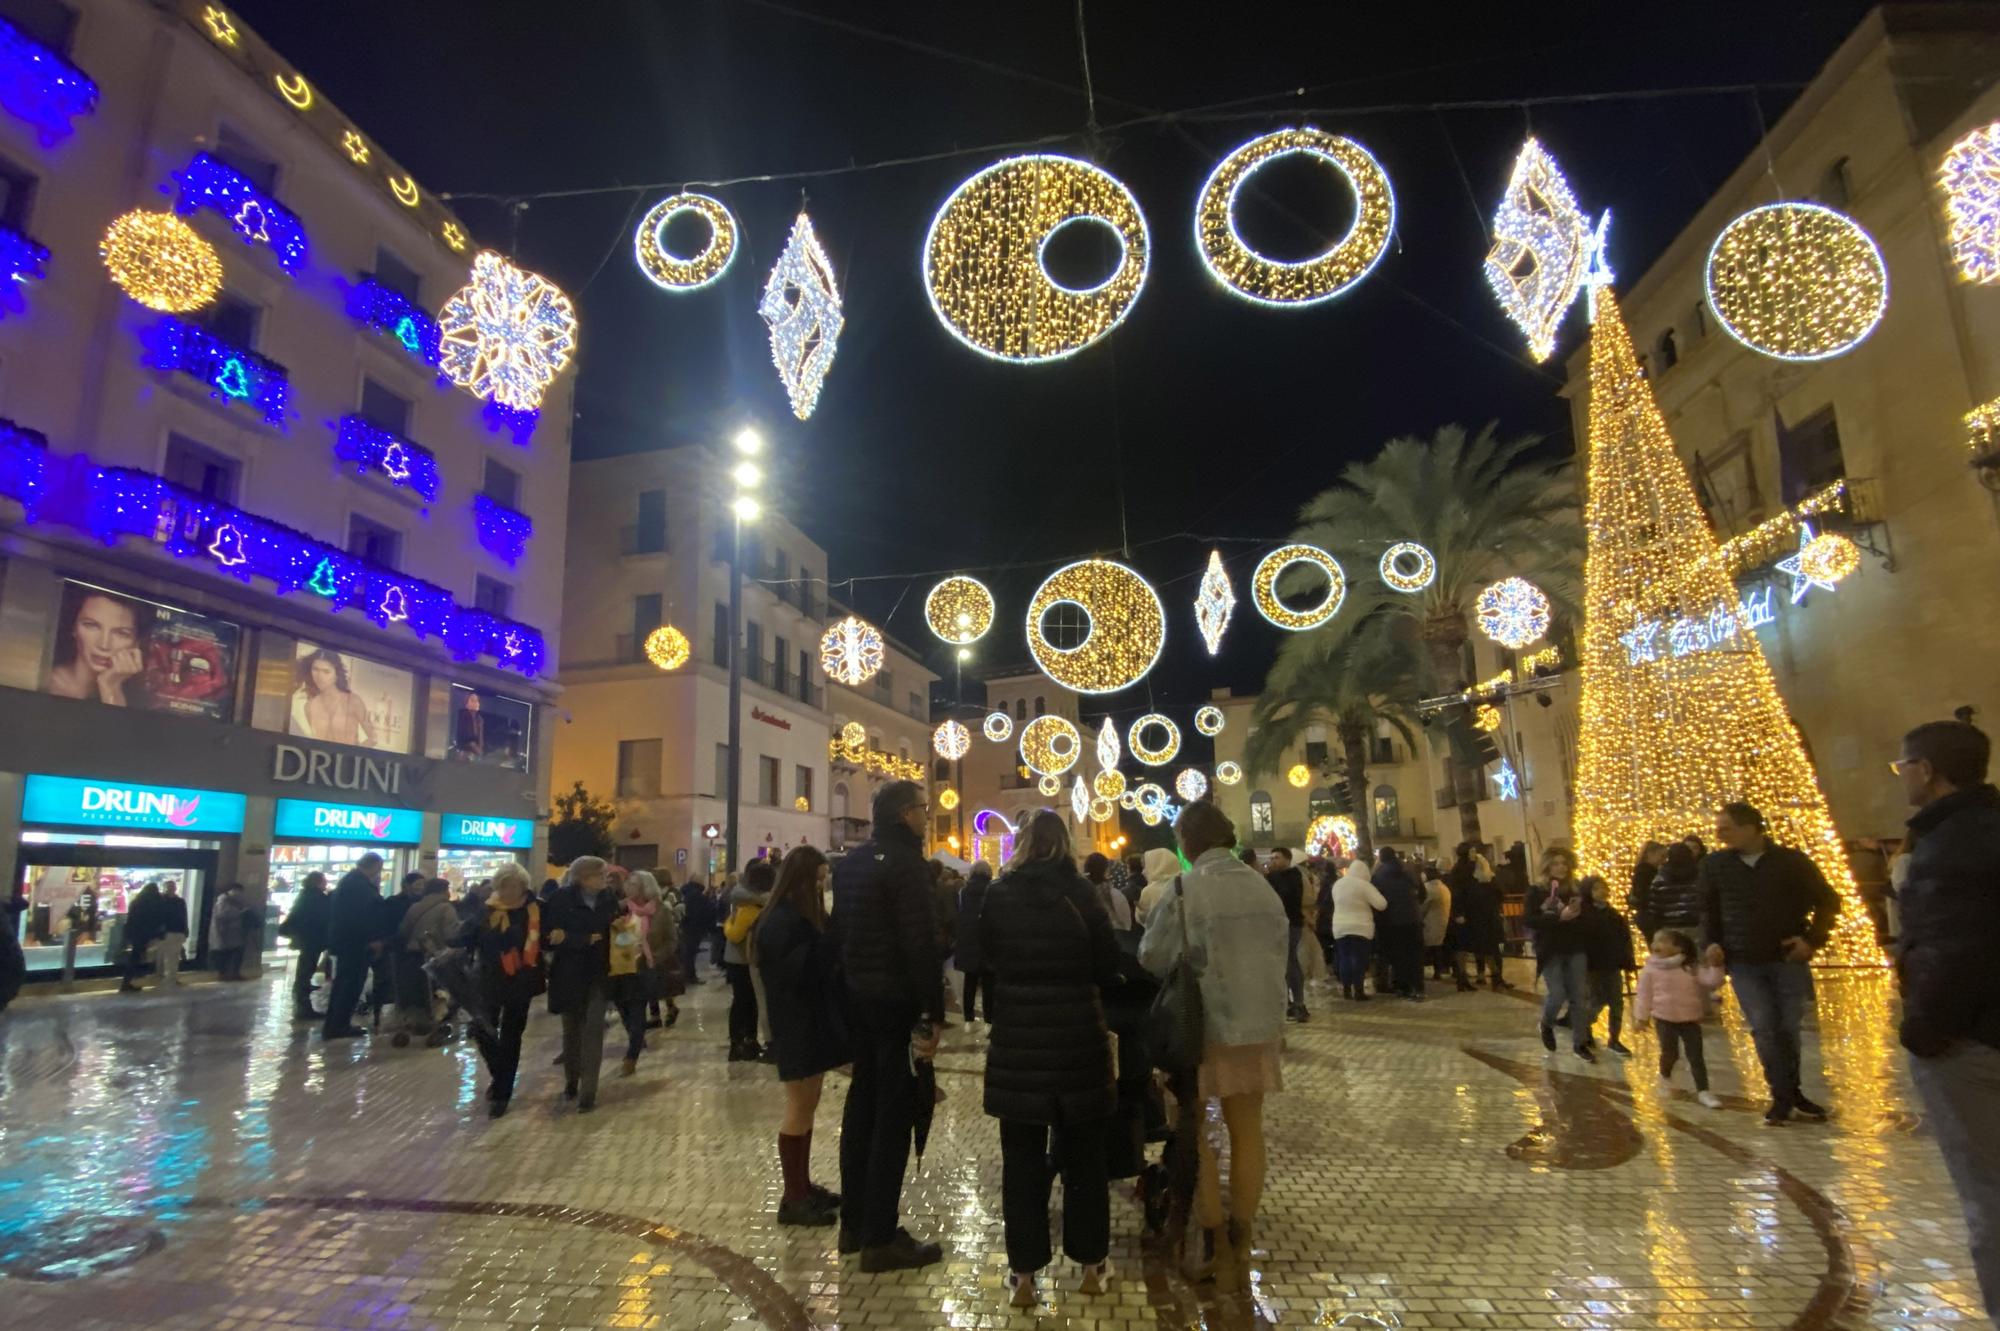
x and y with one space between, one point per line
1079 800
801 305
161 262
1486 717
669 271
667 647
947 799
1147 754
1228 773
998 727
506 334
1322 277
1214 603
1050 745
983 258
1109 784
959 610
1101 810
1208 720
1513 612
1190 784
1407 567
1049 786
851 651
854 735
1108 750
1263 587
1128 627
1797 281
1299 776
1970 178
951 740
1541 248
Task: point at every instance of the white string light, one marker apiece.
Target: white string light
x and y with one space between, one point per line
1214 602
1407 567
1264 594
1970 178
1228 773
1190 784
506 334
1079 799
998 727
670 272
1108 752
1797 281
1513 612
1153 756
801 305
1208 720
1274 281
1541 248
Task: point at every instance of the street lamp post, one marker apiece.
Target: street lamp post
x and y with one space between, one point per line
743 509
963 655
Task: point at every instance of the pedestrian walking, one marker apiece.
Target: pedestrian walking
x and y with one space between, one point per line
800 960
306 926
744 904
1480 926
634 960
351 938
1439 952
577 936
1673 994
1356 904
1562 957
507 939
226 926
1400 930
664 938
143 928
425 930
1290 886
966 956
1608 959
694 927
173 924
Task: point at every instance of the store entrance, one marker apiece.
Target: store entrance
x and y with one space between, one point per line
81 894
292 861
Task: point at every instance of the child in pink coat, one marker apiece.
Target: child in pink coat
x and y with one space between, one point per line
1674 994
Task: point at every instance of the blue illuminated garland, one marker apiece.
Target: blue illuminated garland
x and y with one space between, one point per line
501 529
115 502
511 421
257 217
230 372
20 260
386 453
41 87
395 315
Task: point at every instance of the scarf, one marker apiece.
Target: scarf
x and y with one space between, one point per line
644 911
529 955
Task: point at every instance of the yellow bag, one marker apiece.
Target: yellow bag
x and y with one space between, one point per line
741 920
625 938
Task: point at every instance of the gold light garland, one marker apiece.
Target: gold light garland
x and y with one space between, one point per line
667 647
1153 755
1050 745
1263 587
959 610
161 262
1274 281
998 727
1829 557
951 740
670 272
854 735
1128 627
1109 784
875 761
1797 281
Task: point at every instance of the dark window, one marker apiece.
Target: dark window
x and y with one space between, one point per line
638 767
232 149
718 545
802 786
1315 753
781 567
198 467
781 655
917 708
1041 706
645 618
1809 455
805 675
649 535
1666 352
381 407
768 770
941 769
49 22
721 771
370 540
1020 709
1836 185
233 319
805 589
719 653
17 195
492 595
503 484
1382 750
753 645
396 275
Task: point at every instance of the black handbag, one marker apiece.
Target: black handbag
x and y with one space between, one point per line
1175 1028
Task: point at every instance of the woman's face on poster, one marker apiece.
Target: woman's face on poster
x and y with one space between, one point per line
324 676
103 627
471 702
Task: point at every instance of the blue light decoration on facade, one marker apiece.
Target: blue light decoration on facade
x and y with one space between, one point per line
514 422
40 87
501 529
21 260
231 372
396 316
257 217
371 448
115 502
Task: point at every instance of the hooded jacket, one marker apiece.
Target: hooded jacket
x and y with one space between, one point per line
1161 866
882 918
1355 902
1951 924
1672 990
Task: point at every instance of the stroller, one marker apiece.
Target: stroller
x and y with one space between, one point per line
455 971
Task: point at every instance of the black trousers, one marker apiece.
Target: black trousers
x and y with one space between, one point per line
135 962
502 1049
1488 959
973 979
1028 1166
302 975
632 1014
1687 1036
1403 947
876 1123
742 1004
350 968
228 962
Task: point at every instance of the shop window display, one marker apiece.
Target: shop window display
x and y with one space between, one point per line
490 728
346 699
90 904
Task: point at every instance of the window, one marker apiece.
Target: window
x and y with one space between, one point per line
649 534
1809 456
753 647
781 652
199 468
1020 709
943 826
1320 802
493 596
233 319
1315 753
917 708
17 195
1041 706
802 786
49 22
721 771
719 651
941 770
396 275
767 780
1666 352
502 484
1725 483
638 768
370 540
805 589
1001 706
1261 819
1382 750
840 799
805 675
645 618
232 149
1388 814
718 544
379 406
781 569
1836 185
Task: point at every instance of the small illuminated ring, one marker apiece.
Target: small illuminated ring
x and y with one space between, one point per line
1208 720
1190 784
691 274
959 610
294 90
1108 784
1049 785
1128 627
1408 567
1797 281
1129 800
1100 810
999 726
405 191
1307 282
1228 773
1150 796
1153 757
1050 746
1264 581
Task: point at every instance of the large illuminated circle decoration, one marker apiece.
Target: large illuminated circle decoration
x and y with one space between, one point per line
667 647
851 651
161 262
999 727
668 270
983 263
1109 784
1190 784
1228 773
959 610
1407 567
1513 612
1153 755
1050 745
951 740
1049 786
1273 281
1127 626
1208 720
1797 281
1264 583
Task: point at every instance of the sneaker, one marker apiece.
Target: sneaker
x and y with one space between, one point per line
1097 1279
1806 1109
1708 1099
808 1211
1618 1047
901 1253
1548 1037
1583 1052
1022 1283
1778 1114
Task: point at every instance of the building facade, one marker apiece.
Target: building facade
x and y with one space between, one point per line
272 591
996 793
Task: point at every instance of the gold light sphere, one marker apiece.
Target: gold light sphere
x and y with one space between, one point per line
959 610
802 804
951 740
1127 630
998 726
947 799
854 735
160 261
1829 557
1050 745
1264 583
1322 277
1300 775
667 647
1109 784
1797 281
1486 717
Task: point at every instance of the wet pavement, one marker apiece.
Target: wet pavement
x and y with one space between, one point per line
195 1160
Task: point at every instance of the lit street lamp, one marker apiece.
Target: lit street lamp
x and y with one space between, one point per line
746 474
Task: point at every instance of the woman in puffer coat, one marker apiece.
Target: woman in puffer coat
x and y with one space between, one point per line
1047 942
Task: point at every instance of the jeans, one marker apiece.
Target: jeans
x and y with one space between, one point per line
1607 994
1295 981
1027 1171
1350 959
973 980
1677 1037
1568 978
1961 1094
583 1044
876 1122
502 1049
302 976
742 1004
1774 996
1404 946
633 1015
350 968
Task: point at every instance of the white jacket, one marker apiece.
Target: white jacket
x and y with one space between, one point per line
1355 902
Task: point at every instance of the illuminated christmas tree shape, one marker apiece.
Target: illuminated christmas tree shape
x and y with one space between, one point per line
323 580
1665 739
802 306
1541 248
506 334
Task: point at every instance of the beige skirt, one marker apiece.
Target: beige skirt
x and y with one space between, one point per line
1241 1069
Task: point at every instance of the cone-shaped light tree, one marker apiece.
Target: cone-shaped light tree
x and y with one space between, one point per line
1680 711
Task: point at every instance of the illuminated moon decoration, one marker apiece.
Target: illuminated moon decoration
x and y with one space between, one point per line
1135 740
1407 567
294 90
1101 810
959 610
1049 786
1050 745
1108 784
1541 248
667 647
951 740
1299 775
405 190
854 735
1208 720
851 651
947 799
1228 773
999 727
1970 178
1108 751
161 262
801 306
667 270
983 258
1214 602
506 334
1797 281
1190 784
1273 281
1264 582
1079 800
1513 612
1127 629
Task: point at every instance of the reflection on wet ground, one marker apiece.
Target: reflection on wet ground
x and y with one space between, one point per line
194 1160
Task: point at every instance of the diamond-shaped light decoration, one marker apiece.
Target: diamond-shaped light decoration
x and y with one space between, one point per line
1079 799
1541 248
1214 603
802 306
1109 751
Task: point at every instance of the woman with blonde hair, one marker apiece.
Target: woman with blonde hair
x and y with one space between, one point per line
636 957
799 959
578 920
507 938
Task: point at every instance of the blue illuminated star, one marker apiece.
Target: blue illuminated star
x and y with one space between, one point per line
1803 578
1506 783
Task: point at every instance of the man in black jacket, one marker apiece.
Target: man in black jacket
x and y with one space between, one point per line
306 926
1290 885
352 931
889 949
1765 909
1951 990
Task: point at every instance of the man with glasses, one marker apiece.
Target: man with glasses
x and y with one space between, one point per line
1949 943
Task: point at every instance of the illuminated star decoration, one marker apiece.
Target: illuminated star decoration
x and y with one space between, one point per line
851 651
1214 603
219 26
1599 276
454 235
1641 644
802 306
1970 178
1506 784
1821 561
1108 750
1513 612
1541 245
506 334
356 147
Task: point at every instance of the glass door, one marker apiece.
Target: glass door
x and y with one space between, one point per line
80 896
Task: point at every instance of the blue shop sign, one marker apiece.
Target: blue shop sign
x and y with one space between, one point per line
86 802
472 829
308 820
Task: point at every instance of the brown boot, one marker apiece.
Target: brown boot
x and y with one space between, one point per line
627 1067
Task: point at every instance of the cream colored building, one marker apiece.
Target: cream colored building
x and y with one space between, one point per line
1910 636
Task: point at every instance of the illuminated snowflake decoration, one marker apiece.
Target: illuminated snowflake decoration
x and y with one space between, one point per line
1190 784
1228 773
802 306
506 334
1970 178
1079 800
1541 248
1214 603
1208 720
851 651
1513 612
951 740
1821 561
1108 748
999 727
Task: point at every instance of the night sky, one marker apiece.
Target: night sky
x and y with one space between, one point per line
1203 413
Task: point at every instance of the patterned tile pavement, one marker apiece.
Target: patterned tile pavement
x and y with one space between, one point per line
193 1160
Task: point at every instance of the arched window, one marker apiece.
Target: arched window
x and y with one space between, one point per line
1020 709
1041 705
941 770
1262 820
1388 813
1321 802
